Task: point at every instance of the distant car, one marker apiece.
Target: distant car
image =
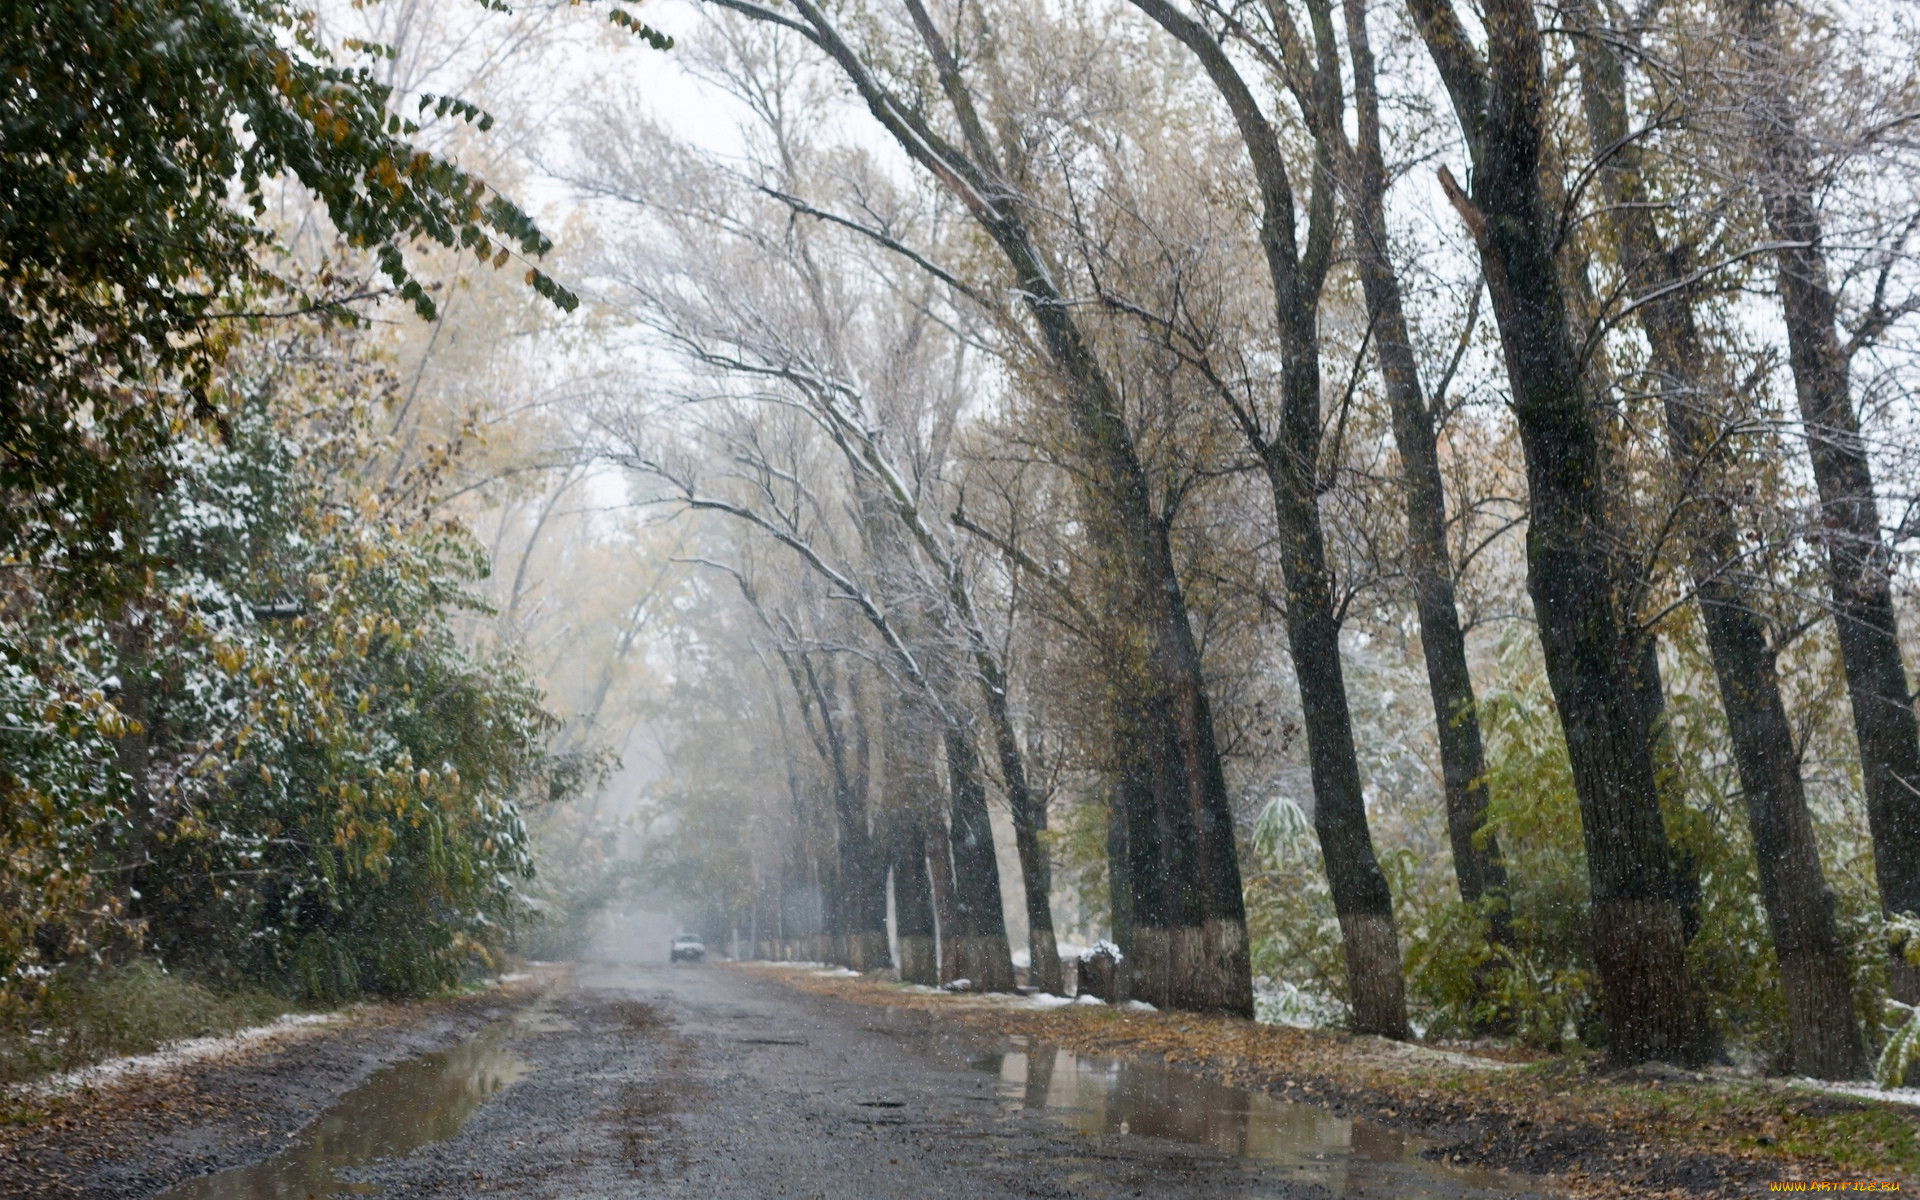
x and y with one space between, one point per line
688 948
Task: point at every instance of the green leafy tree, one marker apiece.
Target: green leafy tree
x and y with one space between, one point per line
277 761
138 139
334 793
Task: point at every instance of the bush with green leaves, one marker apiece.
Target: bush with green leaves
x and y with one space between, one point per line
340 781
1294 935
297 773
141 140
1541 988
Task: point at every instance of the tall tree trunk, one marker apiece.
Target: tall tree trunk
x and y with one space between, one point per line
1639 948
1814 971
913 902
133 646
1208 968
1119 872
1858 560
830 939
1222 963
980 939
1036 873
1207 958
912 791
863 870
1361 898
1161 871
1122 524
1291 456
945 907
1478 865
1139 884
1208 965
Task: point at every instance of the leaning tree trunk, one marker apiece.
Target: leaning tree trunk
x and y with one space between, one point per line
1291 457
1036 873
1478 865
1361 899
1213 972
1639 949
1144 875
1814 972
1858 560
1165 874
913 920
1160 688
945 908
912 790
1121 524
980 939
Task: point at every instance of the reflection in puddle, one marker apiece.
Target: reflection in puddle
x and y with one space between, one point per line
398 1109
1347 1157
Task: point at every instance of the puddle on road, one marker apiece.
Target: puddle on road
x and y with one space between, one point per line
400 1108
1347 1157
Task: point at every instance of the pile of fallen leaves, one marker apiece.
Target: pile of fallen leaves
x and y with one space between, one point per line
1595 1132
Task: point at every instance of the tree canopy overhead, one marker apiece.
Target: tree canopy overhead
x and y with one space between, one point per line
141 139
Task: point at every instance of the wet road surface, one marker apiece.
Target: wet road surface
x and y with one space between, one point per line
710 1081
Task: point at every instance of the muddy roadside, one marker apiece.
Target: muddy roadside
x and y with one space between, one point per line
135 1128
1651 1131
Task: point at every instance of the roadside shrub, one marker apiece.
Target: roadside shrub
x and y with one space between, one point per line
1294 935
280 763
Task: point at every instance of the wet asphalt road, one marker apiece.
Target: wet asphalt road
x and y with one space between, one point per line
709 1081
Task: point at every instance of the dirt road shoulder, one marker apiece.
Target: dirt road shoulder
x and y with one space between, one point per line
135 1127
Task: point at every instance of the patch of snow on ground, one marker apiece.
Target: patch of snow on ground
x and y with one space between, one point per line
1866 1091
1088 999
513 977
839 972
1451 1058
174 1055
1282 1003
1045 1000
1139 1006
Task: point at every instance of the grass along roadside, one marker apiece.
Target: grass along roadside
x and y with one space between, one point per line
85 1029
1649 1131
83 1019
116 1088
